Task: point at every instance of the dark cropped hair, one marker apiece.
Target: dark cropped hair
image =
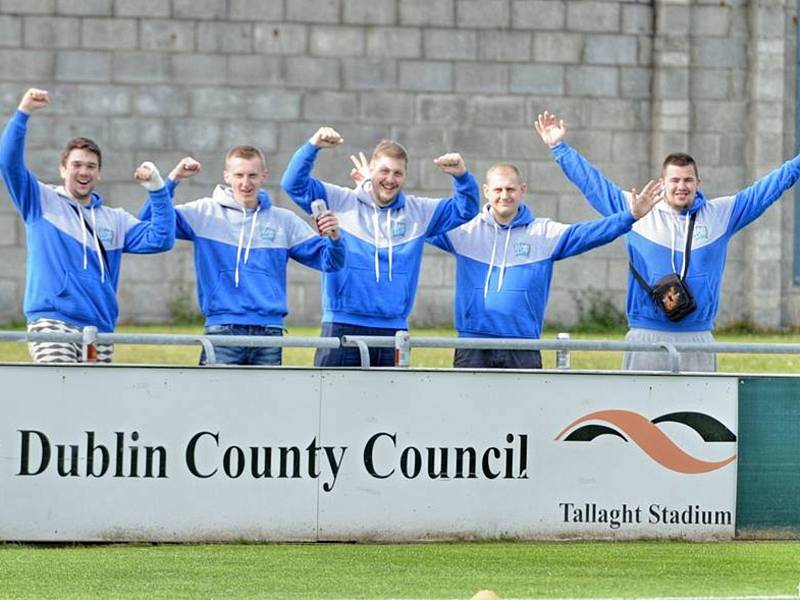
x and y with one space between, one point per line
82 143
680 159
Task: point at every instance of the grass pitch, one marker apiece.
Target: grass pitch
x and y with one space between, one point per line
433 571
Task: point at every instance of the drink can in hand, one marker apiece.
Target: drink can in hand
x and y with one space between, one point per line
318 207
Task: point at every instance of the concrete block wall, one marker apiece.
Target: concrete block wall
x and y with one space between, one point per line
160 79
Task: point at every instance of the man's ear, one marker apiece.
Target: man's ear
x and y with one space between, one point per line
485 191
523 187
226 177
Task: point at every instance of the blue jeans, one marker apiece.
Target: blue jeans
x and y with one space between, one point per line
242 355
349 357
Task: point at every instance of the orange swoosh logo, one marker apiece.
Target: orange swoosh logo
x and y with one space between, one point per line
652 440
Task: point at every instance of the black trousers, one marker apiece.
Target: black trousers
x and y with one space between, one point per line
350 357
497 359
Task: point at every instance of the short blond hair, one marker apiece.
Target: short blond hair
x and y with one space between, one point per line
391 149
246 152
505 166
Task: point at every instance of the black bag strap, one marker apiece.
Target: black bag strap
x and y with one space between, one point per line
687 252
91 232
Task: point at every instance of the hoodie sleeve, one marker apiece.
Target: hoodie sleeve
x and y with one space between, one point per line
21 183
183 231
580 237
441 241
459 208
751 202
157 233
297 181
603 195
315 251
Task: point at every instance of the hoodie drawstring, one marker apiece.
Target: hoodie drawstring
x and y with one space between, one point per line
376 240
252 231
84 236
389 235
491 261
97 248
685 236
241 242
503 265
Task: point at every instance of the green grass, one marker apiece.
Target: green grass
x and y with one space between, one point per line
431 357
435 571
294 572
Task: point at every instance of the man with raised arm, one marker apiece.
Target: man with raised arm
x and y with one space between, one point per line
677 253
504 265
75 242
242 245
384 230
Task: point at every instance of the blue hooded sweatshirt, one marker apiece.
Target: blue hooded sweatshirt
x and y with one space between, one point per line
378 285
68 278
503 272
241 255
656 243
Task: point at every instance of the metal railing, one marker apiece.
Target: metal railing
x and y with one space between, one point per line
91 336
402 342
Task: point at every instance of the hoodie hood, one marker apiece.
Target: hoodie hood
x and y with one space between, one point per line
364 192
95 200
698 203
524 217
224 195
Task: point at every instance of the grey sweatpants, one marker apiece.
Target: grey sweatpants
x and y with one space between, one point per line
659 361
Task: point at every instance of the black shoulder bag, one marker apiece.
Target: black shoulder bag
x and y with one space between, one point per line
670 293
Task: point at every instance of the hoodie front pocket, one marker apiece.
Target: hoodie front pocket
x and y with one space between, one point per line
257 293
84 299
360 294
508 312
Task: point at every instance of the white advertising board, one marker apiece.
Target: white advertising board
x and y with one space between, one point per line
189 454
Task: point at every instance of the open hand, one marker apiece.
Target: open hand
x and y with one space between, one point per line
643 202
360 172
550 128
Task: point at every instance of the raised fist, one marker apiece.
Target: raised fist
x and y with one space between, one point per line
187 167
147 174
33 100
326 137
451 163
